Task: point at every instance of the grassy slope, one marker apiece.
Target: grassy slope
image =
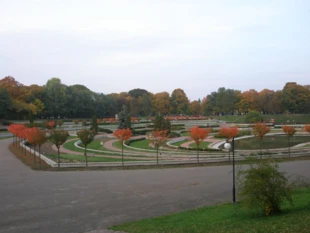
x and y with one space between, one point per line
228 218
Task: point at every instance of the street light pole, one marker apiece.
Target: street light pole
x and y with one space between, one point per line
234 180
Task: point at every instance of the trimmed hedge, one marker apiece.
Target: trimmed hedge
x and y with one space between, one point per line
200 149
105 130
133 140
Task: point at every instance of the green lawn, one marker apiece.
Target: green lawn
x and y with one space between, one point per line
228 218
179 143
143 144
93 145
202 145
269 142
81 158
279 118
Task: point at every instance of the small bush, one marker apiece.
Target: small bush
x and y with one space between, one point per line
175 135
105 130
7 123
263 188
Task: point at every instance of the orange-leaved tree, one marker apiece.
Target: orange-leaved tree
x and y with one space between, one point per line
122 135
30 136
58 137
86 136
307 128
40 138
289 131
260 130
198 135
229 133
158 138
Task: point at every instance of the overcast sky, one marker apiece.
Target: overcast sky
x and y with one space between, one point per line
158 45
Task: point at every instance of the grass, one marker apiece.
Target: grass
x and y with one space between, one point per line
228 218
279 118
269 142
81 158
143 144
202 145
179 143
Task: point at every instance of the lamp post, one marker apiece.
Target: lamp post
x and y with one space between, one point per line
227 146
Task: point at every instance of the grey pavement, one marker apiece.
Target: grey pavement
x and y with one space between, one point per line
90 201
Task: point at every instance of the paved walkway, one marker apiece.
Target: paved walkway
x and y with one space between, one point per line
91 201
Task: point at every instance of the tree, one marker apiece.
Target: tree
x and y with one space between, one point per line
307 128
228 133
264 188
158 138
59 123
195 107
94 124
58 137
198 135
161 103
122 135
5 103
40 138
260 130
123 118
56 98
295 98
254 116
76 122
289 131
179 102
160 123
86 136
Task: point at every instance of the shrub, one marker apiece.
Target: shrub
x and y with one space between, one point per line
263 188
7 123
175 134
105 130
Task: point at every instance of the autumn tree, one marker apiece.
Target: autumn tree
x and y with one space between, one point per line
289 131
229 133
195 107
40 138
260 130
58 137
198 135
179 102
86 136
122 135
307 128
161 103
59 123
30 135
157 138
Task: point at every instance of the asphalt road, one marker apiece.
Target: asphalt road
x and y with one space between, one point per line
82 201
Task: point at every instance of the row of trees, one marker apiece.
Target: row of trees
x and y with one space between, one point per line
56 99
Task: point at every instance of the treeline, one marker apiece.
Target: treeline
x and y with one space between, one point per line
54 99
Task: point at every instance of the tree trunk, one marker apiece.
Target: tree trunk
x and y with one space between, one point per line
123 155
289 149
260 147
34 154
85 154
40 156
157 155
197 154
58 158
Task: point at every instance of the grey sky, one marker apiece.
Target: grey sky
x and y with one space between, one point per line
160 45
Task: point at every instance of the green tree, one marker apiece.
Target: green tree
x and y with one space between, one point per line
296 98
58 137
179 102
263 187
56 98
254 116
86 136
5 102
123 119
94 124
